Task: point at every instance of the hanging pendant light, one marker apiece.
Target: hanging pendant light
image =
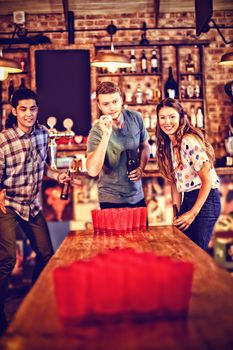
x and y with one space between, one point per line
227 59
8 66
111 59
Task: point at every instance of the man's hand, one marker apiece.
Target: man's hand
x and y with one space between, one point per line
105 123
64 177
135 175
2 201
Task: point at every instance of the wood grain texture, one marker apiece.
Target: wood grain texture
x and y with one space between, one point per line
209 325
98 7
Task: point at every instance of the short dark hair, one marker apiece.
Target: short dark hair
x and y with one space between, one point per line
23 94
107 87
18 95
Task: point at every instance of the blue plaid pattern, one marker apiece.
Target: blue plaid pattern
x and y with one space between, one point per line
22 160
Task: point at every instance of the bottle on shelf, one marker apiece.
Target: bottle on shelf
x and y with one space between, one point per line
149 94
153 119
154 62
190 87
23 64
182 88
152 147
200 118
139 97
171 86
143 62
197 89
128 94
11 89
22 84
193 116
65 188
123 70
189 64
147 120
157 94
133 61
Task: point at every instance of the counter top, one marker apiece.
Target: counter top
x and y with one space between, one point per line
37 326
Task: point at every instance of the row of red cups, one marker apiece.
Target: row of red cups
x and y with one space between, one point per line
119 221
123 282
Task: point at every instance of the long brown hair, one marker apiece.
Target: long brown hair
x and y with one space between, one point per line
164 158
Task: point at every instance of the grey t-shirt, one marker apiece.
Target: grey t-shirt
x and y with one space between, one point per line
114 185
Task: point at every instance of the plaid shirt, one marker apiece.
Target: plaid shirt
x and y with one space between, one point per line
22 160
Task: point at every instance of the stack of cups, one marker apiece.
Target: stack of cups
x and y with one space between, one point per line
119 221
123 284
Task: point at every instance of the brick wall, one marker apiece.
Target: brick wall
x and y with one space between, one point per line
219 107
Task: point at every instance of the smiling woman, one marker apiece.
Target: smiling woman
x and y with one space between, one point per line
186 158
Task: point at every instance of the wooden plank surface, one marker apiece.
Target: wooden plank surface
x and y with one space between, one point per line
209 324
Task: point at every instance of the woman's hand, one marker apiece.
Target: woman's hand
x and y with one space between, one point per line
2 201
184 221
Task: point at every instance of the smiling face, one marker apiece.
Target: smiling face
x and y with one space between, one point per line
26 114
169 121
110 104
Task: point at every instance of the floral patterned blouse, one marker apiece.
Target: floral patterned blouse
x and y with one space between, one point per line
192 156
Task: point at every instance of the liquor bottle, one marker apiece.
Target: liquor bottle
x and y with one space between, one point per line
128 94
189 65
65 188
153 119
190 87
147 120
11 90
171 87
182 88
154 62
139 98
149 94
133 61
197 90
200 118
132 159
193 116
22 84
143 62
123 70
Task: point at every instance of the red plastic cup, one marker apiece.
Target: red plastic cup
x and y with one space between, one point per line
136 219
95 220
101 221
177 301
129 220
116 221
143 218
123 220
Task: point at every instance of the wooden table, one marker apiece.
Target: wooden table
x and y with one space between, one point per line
36 325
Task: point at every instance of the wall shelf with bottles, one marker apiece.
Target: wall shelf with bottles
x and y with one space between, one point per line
186 60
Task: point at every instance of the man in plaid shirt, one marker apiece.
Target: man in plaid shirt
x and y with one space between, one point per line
23 153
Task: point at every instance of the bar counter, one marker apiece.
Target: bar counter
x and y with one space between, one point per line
209 325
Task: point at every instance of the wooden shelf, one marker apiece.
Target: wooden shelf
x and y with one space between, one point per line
128 74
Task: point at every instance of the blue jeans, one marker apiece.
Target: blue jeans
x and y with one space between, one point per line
201 229
36 230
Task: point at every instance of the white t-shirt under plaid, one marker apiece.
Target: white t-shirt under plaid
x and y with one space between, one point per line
22 161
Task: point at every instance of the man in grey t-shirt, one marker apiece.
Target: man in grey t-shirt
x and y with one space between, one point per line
116 131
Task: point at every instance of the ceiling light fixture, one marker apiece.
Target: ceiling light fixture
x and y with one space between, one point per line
8 65
227 59
111 59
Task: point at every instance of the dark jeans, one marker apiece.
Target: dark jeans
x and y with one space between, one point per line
201 229
105 205
36 230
